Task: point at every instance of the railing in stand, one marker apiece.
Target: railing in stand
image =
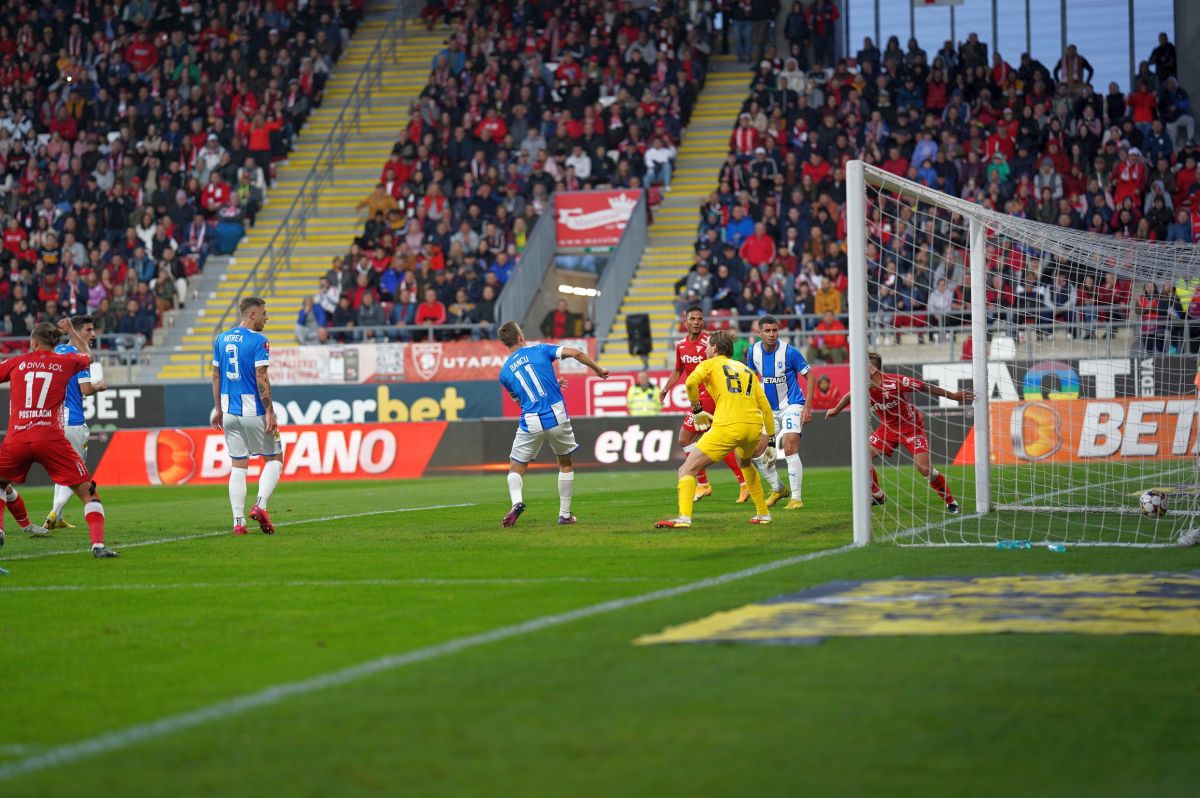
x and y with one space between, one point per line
294 226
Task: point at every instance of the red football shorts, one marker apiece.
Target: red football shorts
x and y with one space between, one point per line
708 404
61 462
886 439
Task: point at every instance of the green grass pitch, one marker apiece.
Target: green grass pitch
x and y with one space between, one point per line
574 709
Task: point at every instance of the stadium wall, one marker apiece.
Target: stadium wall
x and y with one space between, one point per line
159 435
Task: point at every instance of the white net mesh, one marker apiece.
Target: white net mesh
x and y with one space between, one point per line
1091 361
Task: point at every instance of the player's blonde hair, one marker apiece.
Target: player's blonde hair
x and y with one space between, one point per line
875 360
722 341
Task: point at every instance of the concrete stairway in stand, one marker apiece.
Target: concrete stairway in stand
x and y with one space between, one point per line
669 252
334 227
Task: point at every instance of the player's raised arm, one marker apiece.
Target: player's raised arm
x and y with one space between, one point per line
839 407
585 359
76 339
966 395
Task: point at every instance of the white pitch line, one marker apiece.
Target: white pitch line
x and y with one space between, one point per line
414 581
132 735
179 538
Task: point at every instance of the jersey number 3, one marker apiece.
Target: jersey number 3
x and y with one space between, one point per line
233 373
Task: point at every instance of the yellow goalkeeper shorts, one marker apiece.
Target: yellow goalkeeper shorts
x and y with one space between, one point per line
725 438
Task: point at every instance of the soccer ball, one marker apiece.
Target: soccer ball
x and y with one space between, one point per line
1153 504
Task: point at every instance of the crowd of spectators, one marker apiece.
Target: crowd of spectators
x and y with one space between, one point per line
526 98
137 137
1024 139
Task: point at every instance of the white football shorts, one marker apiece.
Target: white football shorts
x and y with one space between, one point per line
77 436
526 445
789 421
246 436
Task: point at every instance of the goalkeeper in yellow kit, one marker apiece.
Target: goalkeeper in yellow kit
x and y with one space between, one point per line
743 421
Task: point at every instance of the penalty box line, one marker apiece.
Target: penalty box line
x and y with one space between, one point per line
277 694
179 538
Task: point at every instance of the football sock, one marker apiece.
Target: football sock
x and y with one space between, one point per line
687 496
876 491
237 495
16 506
702 477
515 483
62 495
769 474
267 481
93 513
754 484
566 486
731 461
938 483
795 474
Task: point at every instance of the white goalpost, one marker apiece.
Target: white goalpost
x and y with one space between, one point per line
1082 351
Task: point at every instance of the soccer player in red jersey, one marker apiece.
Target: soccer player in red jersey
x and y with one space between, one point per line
901 424
690 351
38 382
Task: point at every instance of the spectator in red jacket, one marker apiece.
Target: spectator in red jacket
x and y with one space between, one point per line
431 311
826 395
215 194
758 249
830 344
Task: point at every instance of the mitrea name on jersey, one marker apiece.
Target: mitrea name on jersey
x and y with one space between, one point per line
237 353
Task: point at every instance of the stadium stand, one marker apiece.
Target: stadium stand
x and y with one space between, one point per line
357 172
137 139
1032 140
573 96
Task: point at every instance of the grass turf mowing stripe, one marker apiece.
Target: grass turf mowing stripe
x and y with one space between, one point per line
123 738
415 581
180 538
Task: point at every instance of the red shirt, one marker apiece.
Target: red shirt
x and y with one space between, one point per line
893 409
689 354
39 385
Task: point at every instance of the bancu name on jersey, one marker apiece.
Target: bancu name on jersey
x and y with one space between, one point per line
528 376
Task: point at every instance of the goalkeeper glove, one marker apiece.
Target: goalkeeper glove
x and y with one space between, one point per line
702 420
769 456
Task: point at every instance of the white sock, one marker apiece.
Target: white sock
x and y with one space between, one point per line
769 474
10 493
933 474
795 474
566 485
515 487
62 495
267 481
237 495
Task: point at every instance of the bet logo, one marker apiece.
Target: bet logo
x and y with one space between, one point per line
170 457
1035 429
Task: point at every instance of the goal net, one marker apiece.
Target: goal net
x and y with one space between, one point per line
1081 348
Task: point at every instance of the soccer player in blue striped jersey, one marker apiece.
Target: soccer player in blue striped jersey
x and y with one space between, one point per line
528 376
780 366
75 425
242 398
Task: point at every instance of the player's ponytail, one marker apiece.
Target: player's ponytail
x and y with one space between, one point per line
47 334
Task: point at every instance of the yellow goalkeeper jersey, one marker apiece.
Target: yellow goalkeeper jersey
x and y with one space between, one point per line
736 391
